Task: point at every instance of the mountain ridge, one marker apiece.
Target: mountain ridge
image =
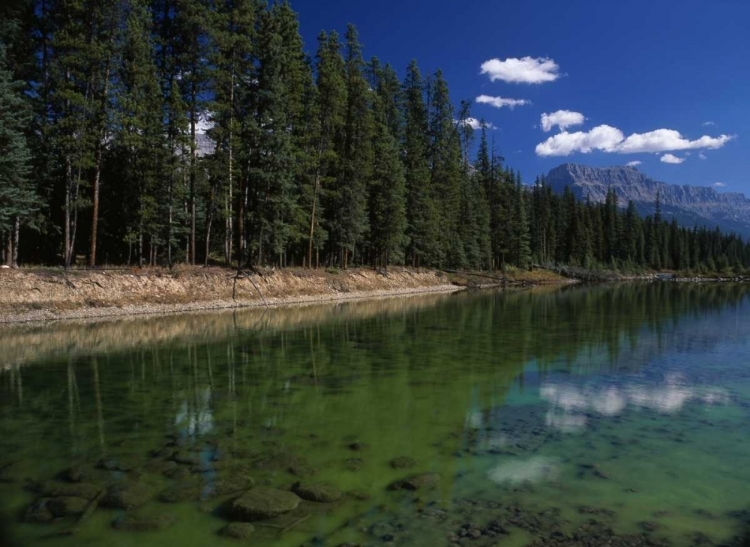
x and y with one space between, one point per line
690 205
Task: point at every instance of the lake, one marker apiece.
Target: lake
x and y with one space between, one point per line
576 416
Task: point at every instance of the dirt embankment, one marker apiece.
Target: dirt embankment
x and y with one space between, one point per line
28 295
39 295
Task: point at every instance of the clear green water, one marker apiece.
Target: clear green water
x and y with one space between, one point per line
578 416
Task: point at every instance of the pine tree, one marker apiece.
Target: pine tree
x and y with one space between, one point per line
422 212
387 193
17 197
191 59
328 133
445 172
139 145
233 33
348 220
521 239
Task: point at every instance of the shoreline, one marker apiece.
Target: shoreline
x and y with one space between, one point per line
44 296
150 310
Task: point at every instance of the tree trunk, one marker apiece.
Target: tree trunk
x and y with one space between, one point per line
16 236
9 249
193 157
209 220
312 220
229 235
98 169
241 221
66 228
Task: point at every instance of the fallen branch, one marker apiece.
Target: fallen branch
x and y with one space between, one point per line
244 275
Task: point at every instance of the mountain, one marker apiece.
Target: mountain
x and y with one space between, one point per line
690 205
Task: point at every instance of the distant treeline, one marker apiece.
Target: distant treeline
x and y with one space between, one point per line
199 131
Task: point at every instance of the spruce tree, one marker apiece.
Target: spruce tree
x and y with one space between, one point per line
17 197
422 211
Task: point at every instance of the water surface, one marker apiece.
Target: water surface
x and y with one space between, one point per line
557 417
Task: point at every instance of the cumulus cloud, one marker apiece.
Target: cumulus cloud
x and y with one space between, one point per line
709 123
671 158
500 102
635 163
610 139
603 137
662 140
527 70
702 156
718 185
474 123
562 119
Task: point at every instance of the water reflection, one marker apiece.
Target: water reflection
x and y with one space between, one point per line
570 403
475 387
536 469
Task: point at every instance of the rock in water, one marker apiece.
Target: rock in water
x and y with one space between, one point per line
67 506
263 504
403 462
416 482
321 493
38 512
127 496
143 523
237 530
54 489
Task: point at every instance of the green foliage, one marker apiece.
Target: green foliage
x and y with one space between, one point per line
325 161
17 196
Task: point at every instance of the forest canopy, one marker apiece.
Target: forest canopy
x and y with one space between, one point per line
155 132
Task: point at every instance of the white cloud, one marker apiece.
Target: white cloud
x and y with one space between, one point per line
475 124
671 158
562 119
662 140
635 163
708 123
718 185
527 70
603 137
702 156
499 102
610 139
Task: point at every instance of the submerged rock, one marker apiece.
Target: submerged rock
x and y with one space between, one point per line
119 464
38 512
416 482
127 496
354 464
143 523
161 467
231 485
181 492
178 474
263 504
67 506
321 493
285 461
52 489
237 530
403 462
186 458
12 472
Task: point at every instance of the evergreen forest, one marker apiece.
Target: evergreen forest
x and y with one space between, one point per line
162 132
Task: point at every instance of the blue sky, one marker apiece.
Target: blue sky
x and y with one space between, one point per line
629 68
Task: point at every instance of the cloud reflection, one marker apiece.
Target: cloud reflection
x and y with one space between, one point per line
534 469
570 403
